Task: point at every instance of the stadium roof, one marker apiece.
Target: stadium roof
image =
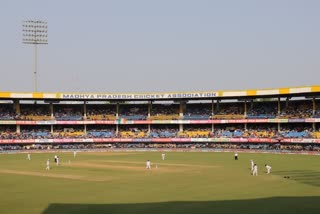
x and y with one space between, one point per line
307 91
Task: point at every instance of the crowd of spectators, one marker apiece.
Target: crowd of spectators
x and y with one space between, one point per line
133 132
229 111
296 109
164 131
34 112
262 110
68 112
7 112
160 131
100 131
133 112
62 132
211 146
288 131
101 112
164 112
191 111
196 131
198 111
317 110
42 133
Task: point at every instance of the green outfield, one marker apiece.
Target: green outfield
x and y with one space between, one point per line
189 182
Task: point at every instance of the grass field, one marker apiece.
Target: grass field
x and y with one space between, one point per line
183 183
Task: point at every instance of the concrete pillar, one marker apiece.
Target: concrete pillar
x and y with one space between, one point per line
212 107
279 106
16 106
85 110
314 107
149 108
245 108
180 127
117 110
18 129
51 110
181 108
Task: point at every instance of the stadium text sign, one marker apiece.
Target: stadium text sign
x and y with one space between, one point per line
139 96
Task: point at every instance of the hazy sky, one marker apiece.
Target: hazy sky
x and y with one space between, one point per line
164 45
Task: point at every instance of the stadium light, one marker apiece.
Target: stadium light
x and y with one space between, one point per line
35 32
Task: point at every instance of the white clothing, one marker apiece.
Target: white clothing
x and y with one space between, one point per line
148 165
74 154
48 165
268 169
252 164
236 156
57 161
255 170
29 157
163 156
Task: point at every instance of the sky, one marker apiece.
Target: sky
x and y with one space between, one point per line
162 46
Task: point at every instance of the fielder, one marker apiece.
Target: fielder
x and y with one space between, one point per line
57 160
163 156
236 156
252 165
268 167
148 164
255 170
29 156
74 154
48 165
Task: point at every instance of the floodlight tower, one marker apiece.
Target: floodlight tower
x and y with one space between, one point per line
35 32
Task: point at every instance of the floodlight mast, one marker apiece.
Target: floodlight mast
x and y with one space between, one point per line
35 32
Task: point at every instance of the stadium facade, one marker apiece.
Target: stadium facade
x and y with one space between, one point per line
275 116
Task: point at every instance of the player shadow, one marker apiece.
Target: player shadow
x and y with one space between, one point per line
309 177
272 205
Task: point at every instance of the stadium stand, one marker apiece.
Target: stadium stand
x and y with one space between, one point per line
197 111
133 112
7 112
165 112
262 110
65 112
99 131
289 120
34 112
101 112
229 111
164 131
133 132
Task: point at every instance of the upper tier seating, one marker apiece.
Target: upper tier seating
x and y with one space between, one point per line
197 112
165 112
133 112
